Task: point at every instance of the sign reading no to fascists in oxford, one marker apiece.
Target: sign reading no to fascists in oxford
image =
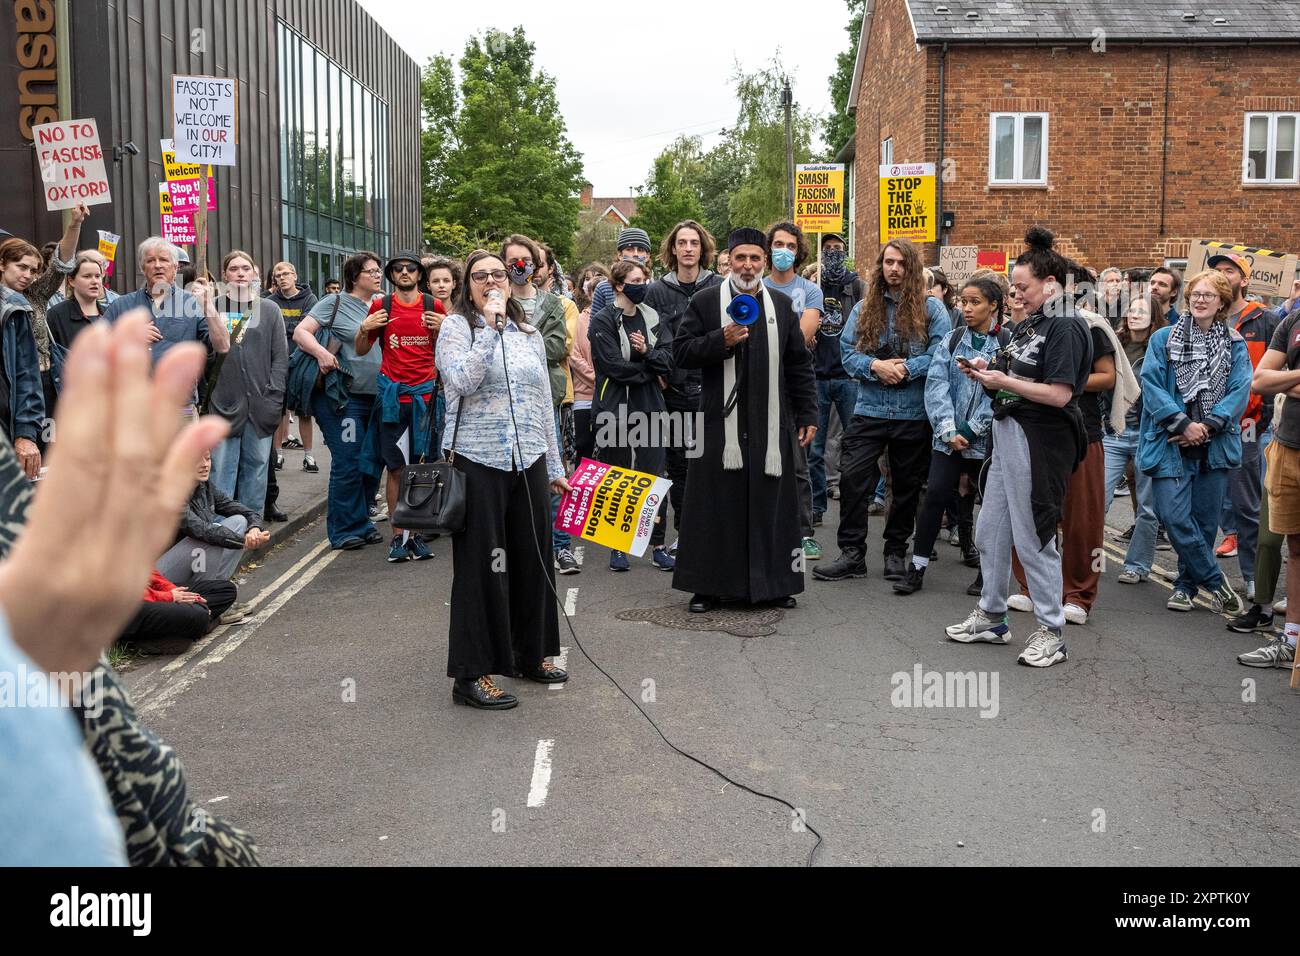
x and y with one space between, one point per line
819 197
907 202
204 119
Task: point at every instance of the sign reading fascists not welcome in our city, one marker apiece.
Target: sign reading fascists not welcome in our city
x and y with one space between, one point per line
205 119
819 197
72 164
907 202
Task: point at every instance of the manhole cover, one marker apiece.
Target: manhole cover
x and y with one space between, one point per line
739 620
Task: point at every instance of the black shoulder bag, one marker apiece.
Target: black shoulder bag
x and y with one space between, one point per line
431 498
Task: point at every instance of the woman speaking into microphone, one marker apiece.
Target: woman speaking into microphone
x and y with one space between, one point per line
501 435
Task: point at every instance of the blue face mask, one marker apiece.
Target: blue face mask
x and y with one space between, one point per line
782 259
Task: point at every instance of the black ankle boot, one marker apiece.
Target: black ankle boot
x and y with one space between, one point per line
912 581
850 564
977 587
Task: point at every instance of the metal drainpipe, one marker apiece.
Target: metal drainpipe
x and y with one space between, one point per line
938 185
1164 142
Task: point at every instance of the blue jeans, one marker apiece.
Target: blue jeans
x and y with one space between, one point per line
1120 450
240 463
840 394
350 493
560 540
1188 507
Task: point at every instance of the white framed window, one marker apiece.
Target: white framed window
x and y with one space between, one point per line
1269 153
887 152
1018 149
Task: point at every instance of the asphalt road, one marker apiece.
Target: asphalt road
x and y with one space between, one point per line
326 728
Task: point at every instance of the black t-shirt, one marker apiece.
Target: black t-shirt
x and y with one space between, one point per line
1286 339
838 300
1090 402
1052 349
635 323
67 320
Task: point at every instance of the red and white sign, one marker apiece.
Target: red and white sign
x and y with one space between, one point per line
72 164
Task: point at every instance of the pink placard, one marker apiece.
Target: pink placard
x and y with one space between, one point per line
575 505
185 194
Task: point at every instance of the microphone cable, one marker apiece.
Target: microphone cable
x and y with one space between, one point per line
549 578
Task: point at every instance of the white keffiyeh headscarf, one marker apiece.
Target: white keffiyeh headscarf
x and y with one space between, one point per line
1202 361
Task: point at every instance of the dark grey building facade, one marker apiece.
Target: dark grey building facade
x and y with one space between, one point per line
329 122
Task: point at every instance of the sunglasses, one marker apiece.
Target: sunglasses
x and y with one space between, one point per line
406 267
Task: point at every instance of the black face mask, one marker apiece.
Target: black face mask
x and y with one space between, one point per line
635 292
833 269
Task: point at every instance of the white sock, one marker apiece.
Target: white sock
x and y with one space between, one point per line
1292 632
920 562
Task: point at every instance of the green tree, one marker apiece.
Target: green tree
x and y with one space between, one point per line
449 239
496 152
665 200
595 241
838 126
762 194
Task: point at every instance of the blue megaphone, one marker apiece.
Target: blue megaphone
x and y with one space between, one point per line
743 310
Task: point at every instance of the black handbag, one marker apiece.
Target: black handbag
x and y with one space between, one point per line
431 498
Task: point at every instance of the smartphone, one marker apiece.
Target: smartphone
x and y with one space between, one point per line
964 362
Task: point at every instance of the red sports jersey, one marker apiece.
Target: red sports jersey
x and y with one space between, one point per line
407 346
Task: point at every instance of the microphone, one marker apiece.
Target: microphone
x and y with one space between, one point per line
495 295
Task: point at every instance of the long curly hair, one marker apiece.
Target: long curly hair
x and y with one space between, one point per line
910 321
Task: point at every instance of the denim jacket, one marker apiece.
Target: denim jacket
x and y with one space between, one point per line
953 399
22 368
1164 413
905 401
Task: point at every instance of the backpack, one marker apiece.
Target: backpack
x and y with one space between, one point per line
426 302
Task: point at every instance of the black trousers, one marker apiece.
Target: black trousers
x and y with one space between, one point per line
676 465
907 445
941 488
162 619
649 460
584 435
503 612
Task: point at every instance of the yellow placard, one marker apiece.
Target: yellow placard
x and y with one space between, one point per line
819 197
907 207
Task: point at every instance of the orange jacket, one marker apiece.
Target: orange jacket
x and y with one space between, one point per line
1256 330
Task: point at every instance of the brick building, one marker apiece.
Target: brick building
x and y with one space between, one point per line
1128 128
617 210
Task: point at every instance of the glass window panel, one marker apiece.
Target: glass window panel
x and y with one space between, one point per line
358 164
1257 148
1004 152
1284 155
1031 165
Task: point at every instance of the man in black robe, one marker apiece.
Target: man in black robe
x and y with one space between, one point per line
740 536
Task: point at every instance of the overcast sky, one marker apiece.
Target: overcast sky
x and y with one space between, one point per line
581 45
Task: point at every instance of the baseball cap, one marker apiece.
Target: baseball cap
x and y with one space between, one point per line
1237 260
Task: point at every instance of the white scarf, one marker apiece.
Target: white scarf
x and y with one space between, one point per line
651 318
731 457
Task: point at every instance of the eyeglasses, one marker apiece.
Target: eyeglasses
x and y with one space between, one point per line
406 267
496 275
1203 296
372 272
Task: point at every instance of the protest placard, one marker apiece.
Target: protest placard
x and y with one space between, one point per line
71 163
1271 272
819 197
612 507
177 227
205 119
108 249
989 259
183 181
907 202
958 262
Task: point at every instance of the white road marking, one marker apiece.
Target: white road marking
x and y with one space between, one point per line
167 694
541 773
142 691
218 799
571 602
561 662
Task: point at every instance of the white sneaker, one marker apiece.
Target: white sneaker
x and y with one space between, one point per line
1020 602
1279 607
980 628
1277 653
1075 614
1043 649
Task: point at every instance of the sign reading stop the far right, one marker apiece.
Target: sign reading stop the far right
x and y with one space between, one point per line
205 119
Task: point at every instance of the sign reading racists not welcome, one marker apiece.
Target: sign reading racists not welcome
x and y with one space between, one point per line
958 263
907 202
614 507
205 119
819 197
72 164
